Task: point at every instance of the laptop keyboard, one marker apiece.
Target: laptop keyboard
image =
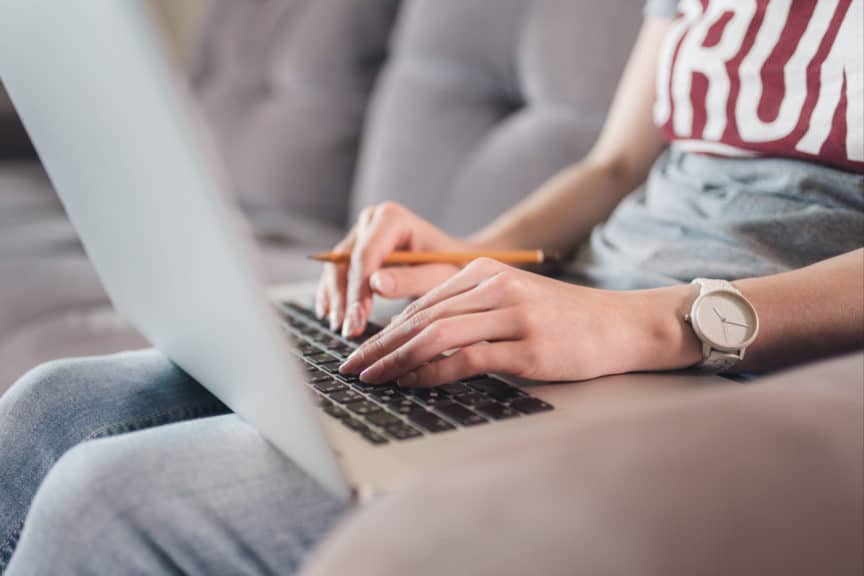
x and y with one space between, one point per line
389 413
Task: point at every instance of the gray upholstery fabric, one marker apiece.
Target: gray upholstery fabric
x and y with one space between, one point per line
483 100
755 480
284 85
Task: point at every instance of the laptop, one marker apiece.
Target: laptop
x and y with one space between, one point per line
117 131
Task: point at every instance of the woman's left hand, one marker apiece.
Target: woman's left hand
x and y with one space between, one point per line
495 318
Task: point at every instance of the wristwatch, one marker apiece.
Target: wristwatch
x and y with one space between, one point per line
724 321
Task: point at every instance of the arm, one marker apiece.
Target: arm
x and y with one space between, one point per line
556 217
562 213
803 315
500 319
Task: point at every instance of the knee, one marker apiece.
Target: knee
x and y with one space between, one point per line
43 393
77 508
50 391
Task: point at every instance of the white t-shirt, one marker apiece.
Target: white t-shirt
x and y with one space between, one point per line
780 78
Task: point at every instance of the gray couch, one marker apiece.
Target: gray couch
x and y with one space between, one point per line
761 480
456 108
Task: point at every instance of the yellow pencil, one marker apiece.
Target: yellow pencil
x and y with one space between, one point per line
405 258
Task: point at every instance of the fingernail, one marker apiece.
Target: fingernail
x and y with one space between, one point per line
334 321
348 364
353 320
368 375
382 283
408 380
319 309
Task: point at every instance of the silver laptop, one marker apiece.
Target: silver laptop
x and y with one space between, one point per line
119 136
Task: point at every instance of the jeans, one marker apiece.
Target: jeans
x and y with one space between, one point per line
124 464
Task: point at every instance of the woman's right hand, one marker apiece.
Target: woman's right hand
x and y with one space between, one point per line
345 290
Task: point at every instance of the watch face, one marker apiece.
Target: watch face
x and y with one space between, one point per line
725 320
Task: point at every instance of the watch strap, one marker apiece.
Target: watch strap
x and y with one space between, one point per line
709 285
716 361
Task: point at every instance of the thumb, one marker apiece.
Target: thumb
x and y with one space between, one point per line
410 281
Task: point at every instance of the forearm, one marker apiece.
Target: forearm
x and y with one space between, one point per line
563 212
808 313
804 314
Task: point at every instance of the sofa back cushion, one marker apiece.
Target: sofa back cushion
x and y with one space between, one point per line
483 100
285 85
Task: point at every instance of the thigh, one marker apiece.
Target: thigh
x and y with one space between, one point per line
209 496
59 405
68 401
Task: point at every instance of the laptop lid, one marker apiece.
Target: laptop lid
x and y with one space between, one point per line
117 132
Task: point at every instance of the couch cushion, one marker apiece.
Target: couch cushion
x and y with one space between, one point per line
746 480
285 86
483 100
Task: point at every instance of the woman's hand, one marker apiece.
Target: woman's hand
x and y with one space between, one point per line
345 290
500 319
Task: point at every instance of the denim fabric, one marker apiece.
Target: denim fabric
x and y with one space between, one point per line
123 464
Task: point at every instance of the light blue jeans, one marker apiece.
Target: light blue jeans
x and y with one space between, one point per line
125 465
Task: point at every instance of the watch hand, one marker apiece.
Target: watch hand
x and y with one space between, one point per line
718 314
725 335
737 324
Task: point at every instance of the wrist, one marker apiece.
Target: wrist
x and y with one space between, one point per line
663 339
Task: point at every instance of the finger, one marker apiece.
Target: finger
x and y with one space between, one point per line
335 280
480 358
324 292
409 281
322 298
443 335
376 238
469 277
481 299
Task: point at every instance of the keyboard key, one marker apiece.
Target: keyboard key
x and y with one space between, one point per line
318 356
460 414
530 405
429 421
355 424
331 343
318 376
403 431
496 411
345 396
329 386
382 419
362 407
385 391
331 367
336 411
453 388
374 437
307 348
426 395
471 398
496 389
405 406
